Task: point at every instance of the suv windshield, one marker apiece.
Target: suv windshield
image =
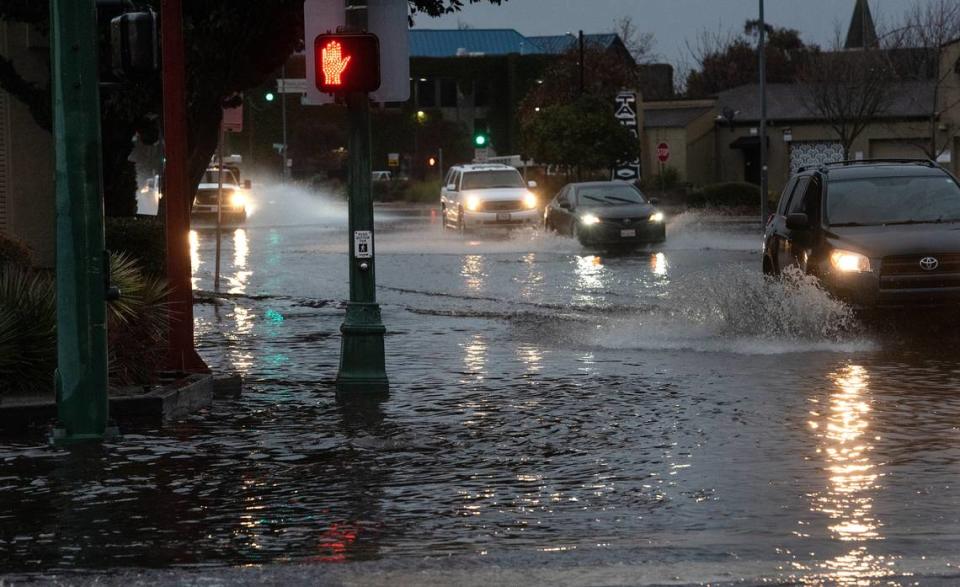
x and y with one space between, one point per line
609 195
213 176
893 200
479 180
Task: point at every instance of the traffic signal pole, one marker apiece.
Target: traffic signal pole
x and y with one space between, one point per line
182 355
82 263
362 362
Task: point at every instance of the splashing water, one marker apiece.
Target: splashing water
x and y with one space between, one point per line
291 204
739 310
694 230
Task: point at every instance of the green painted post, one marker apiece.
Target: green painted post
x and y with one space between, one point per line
362 364
81 377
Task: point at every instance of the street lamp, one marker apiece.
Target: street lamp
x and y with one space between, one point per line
763 120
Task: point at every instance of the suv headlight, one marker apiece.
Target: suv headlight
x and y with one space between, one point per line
849 261
238 199
530 200
472 203
656 217
589 219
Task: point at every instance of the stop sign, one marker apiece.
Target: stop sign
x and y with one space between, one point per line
663 152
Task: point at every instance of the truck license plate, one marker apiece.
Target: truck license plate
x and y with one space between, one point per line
503 217
631 233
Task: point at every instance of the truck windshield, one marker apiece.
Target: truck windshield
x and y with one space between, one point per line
893 200
478 180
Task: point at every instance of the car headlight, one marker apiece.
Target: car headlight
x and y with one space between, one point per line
656 217
849 262
530 201
238 199
473 203
589 219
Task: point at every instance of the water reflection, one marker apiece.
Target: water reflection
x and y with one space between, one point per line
848 499
473 272
195 260
475 356
658 264
531 357
590 274
533 281
238 281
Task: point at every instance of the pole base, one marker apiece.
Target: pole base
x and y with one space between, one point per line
362 363
60 437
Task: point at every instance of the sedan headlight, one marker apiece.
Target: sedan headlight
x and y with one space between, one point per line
589 219
849 262
530 201
656 217
473 203
238 199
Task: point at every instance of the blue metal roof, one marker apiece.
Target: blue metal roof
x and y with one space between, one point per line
446 43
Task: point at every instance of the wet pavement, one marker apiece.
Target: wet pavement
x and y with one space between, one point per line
556 416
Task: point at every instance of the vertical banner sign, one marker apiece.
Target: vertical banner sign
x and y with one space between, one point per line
626 113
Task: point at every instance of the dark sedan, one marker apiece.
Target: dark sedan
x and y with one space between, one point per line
605 213
876 233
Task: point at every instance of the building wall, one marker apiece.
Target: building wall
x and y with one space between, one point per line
949 104
676 137
27 202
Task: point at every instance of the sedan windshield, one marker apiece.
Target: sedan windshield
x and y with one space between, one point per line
893 200
609 195
479 180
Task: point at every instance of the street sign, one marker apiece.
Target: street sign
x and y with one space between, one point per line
663 152
362 244
291 86
387 19
626 114
347 62
393 159
233 119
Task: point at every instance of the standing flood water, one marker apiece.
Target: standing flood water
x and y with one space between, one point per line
667 409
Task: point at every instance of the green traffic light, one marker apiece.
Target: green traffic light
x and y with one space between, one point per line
269 96
480 140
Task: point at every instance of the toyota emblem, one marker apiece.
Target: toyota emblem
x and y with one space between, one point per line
929 263
627 221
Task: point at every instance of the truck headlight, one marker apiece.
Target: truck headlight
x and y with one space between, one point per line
656 217
589 219
849 262
238 199
473 203
530 201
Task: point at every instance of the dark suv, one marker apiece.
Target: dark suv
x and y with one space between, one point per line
875 232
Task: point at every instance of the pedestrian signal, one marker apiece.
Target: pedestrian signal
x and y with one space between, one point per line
347 62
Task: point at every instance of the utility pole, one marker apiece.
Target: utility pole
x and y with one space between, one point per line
582 65
283 111
82 262
183 356
362 363
763 120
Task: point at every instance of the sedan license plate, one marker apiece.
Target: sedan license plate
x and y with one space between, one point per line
503 217
629 233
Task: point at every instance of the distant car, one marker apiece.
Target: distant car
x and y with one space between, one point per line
605 213
148 197
875 233
235 197
382 176
487 196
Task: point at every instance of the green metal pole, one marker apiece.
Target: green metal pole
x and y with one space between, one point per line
81 377
362 363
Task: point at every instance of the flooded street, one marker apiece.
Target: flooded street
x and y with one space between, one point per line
666 416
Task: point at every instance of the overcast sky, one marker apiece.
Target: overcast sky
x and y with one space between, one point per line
671 21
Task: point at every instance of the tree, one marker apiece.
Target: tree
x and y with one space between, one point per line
583 133
925 29
640 45
725 61
848 89
230 47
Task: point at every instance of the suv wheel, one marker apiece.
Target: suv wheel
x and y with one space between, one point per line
461 225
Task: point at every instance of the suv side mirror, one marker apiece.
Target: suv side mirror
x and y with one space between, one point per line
654 201
451 187
798 221
532 184
566 205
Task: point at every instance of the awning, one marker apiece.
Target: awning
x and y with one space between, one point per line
750 142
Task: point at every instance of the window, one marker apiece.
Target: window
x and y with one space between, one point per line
456 181
479 180
564 196
785 196
426 93
609 195
448 93
793 205
888 200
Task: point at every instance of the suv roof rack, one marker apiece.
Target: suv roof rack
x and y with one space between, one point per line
848 162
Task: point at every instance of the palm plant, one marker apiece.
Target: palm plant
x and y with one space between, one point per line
28 340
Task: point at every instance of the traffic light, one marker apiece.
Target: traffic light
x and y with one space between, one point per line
432 161
269 96
480 139
347 62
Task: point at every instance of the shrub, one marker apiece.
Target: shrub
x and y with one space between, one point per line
727 195
423 192
389 191
13 252
141 238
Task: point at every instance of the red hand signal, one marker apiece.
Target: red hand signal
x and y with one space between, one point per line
334 64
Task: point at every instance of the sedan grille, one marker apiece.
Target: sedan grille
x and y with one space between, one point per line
502 206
